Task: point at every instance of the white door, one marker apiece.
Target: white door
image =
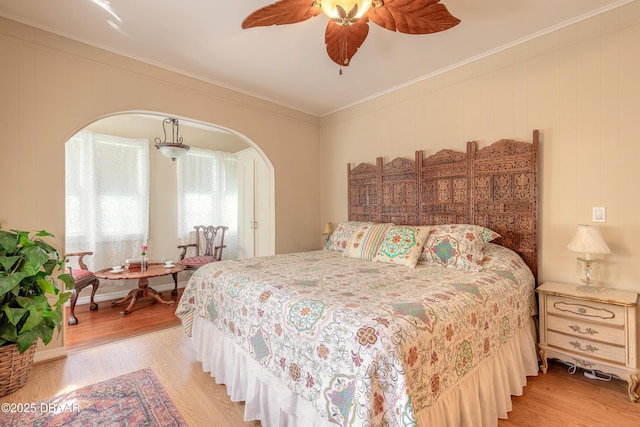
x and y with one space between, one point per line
261 211
246 238
255 201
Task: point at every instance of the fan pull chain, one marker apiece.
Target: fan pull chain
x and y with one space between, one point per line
343 46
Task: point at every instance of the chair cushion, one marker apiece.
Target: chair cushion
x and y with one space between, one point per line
196 261
80 274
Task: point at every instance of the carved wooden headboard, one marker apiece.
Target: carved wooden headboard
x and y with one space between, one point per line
496 187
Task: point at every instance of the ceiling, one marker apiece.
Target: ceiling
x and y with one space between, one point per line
288 64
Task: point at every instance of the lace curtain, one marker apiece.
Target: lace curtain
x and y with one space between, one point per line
208 195
106 196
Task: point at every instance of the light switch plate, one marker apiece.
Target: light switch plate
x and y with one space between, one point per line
599 214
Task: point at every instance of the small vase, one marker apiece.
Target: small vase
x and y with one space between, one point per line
143 264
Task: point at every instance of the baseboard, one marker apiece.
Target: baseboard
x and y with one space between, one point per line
47 355
110 296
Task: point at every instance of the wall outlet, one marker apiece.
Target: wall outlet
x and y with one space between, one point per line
599 214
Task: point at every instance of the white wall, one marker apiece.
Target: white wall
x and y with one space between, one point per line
579 85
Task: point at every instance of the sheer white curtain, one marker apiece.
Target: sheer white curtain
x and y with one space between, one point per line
208 195
106 197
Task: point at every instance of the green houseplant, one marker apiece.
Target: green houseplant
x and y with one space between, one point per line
27 290
26 284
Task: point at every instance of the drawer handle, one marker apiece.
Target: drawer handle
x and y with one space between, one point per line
589 347
584 363
587 331
584 310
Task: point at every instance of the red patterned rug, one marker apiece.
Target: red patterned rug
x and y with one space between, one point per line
135 399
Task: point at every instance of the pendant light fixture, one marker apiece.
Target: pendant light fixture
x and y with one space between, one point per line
174 148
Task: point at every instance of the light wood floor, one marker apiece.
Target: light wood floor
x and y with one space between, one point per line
558 398
169 353
554 399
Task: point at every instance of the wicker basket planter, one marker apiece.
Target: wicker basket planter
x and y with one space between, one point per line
15 368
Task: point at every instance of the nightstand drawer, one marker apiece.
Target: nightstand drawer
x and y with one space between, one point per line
586 310
587 347
596 331
586 330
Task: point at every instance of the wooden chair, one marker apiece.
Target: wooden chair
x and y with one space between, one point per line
206 249
83 278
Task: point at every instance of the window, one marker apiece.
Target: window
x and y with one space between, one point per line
106 195
208 194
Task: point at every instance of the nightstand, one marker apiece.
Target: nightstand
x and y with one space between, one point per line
596 331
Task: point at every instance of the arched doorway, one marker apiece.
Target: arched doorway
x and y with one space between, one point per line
162 235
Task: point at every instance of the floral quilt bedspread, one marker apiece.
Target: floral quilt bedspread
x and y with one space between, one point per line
366 343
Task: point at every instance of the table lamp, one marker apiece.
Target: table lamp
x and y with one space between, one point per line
328 230
589 241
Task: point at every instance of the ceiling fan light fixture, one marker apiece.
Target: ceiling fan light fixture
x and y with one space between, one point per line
349 20
352 10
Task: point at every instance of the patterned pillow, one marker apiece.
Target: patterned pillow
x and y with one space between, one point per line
341 235
365 241
457 246
402 245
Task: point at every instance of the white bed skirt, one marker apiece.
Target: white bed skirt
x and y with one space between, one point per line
481 398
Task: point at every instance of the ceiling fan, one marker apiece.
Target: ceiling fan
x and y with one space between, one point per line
348 20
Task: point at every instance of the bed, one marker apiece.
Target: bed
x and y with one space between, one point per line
353 335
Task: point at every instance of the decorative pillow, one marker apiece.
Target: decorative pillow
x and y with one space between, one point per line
341 235
402 245
487 235
365 241
457 246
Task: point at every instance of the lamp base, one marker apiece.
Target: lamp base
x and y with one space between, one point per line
590 289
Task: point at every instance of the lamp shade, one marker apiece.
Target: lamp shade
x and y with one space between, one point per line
328 228
588 240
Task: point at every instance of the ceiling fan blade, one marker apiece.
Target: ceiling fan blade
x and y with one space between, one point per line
282 12
344 41
413 16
